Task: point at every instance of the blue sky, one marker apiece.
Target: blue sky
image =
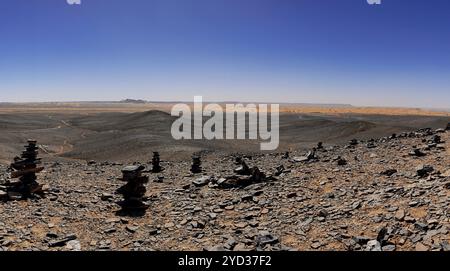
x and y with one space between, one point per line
317 51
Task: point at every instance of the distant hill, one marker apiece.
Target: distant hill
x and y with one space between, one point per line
133 101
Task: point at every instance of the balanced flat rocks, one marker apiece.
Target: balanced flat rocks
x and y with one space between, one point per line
320 146
156 163
134 190
243 169
196 165
25 168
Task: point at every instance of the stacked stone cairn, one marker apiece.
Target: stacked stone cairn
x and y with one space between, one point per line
134 190
156 167
25 168
196 164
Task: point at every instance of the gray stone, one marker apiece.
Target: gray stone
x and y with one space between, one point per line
63 241
400 215
202 181
421 247
106 197
389 172
356 205
74 245
300 159
266 238
445 246
361 240
215 248
416 238
377 219
373 245
421 226
132 229
388 248
316 245
110 230
446 173
3 195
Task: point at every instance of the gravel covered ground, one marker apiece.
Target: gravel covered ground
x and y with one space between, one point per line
364 197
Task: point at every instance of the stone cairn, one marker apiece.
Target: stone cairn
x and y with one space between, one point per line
243 169
156 163
237 160
311 155
25 168
353 142
134 190
255 174
196 165
319 146
448 127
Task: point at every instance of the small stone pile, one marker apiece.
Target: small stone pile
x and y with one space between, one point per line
319 146
257 175
417 152
25 168
243 169
436 139
196 165
340 161
353 142
156 163
134 190
448 127
371 144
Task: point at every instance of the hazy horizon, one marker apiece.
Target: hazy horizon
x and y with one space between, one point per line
310 51
445 109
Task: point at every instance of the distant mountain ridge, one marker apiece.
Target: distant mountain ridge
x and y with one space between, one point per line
141 101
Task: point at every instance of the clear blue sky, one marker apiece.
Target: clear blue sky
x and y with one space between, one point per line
318 51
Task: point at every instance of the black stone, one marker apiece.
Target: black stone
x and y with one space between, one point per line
134 190
196 165
25 168
424 170
156 167
389 172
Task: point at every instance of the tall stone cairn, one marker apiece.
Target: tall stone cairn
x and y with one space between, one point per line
196 165
156 167
134 190
25 168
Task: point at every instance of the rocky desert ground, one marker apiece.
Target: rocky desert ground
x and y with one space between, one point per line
379 182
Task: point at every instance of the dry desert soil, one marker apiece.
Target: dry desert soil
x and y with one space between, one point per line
384 193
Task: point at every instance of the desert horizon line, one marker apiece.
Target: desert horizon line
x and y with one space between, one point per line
143 101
